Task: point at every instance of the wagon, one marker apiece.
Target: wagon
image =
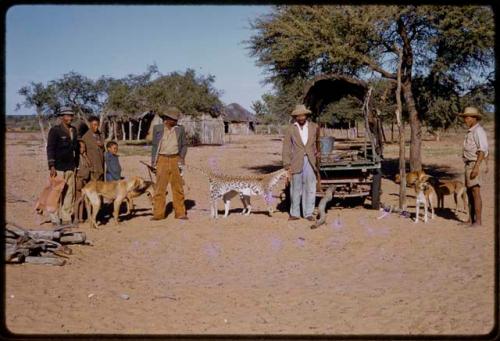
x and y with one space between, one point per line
352 167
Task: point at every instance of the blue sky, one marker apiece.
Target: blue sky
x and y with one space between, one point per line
45 42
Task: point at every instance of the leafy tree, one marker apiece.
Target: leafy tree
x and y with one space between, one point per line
77 91
299 42
192 94
43 99
345 110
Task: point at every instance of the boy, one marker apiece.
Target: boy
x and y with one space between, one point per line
83 173
113 168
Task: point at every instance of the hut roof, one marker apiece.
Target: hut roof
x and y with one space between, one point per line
236 113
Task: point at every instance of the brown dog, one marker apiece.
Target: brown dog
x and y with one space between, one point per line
448 187
424 194
148 188
411 177
115 191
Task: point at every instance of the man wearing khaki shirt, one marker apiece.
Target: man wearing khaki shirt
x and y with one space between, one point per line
475 150
168 153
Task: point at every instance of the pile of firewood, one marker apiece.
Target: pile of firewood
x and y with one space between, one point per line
40 246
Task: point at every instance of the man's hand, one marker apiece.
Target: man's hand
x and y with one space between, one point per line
53 172
474 173
288 175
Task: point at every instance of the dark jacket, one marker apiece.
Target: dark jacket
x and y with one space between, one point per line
158 136
95 152
62 151
113 168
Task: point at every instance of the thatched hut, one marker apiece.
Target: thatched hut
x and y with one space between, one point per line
238 120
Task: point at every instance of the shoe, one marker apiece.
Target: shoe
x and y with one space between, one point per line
310 218
293 218
184 217
473 225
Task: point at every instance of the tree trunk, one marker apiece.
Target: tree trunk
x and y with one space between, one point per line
101 120
110 130
392 131
42 128
415 127
139 131
402 165
115 136
130 130
123 131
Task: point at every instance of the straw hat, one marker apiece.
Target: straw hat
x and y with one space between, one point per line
172 112
471 111
300 109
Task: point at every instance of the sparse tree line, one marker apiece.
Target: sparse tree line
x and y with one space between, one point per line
446 55
119 100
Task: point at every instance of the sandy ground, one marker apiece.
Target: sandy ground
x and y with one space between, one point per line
256 275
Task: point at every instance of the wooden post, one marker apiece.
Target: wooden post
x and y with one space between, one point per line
139 131
123 131
130 129
402 165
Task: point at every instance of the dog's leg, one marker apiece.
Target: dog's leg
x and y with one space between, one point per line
426 207
247 204
431 198
226 198
455 197
116 209
464 199
417 208
96 206
88 209
244 202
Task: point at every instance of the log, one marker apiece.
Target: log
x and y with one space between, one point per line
74 238
13 228
16 260
51 235
322 206
45 260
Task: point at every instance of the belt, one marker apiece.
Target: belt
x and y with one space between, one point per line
172 155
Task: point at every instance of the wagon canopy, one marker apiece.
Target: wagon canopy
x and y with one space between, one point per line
324 89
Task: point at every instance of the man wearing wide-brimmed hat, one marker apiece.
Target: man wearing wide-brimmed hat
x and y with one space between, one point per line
475 150
299 157
168 153
62 155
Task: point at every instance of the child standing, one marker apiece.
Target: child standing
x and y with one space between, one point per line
113 168
82 177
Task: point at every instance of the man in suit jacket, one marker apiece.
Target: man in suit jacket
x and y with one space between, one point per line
62 155
168 153
299 158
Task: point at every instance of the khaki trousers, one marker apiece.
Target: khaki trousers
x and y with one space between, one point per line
167 171
67 198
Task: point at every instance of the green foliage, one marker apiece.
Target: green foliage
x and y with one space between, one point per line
190 93
455 42
346 109
126 96
40 97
